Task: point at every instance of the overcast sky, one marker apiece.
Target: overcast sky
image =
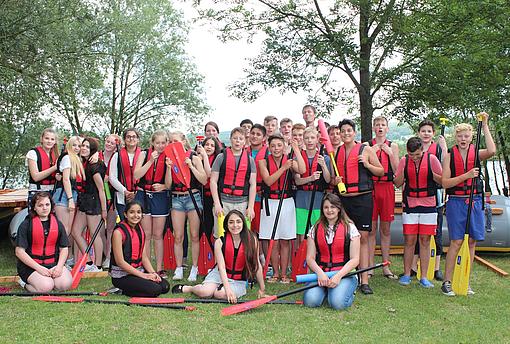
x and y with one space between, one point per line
222 64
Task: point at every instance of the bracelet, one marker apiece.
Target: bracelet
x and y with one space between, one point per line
69 198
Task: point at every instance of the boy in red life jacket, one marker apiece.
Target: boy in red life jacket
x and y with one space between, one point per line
356 164
317 176
273 170
459 169
246 124
42 247
426 132
258 151
420 171
286 129
384 191
308 112
234 179
271 124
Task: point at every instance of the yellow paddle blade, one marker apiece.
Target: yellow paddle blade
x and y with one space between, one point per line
432 260
460 281
221 230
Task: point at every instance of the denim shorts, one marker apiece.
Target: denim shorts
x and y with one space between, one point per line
60 197
154 203
184 203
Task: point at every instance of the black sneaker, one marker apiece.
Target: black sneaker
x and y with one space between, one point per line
365 289
413 273
177 289
446 288
438 275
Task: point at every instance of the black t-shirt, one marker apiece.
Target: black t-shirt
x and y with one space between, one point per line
90 171
23 241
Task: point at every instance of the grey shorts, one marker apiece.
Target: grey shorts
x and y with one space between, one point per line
238 287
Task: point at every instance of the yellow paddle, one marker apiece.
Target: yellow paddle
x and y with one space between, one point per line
432 261
221 230
460 281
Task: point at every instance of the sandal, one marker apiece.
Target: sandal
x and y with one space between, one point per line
285 280
391 276
177 289
273 279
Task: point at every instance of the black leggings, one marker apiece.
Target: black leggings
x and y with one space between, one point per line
135 286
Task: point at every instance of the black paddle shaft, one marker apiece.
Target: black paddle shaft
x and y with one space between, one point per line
280 201
312 199
473 181
313 285
96 232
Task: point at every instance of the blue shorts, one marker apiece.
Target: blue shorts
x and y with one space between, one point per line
456 215
154 203
184 203
60 197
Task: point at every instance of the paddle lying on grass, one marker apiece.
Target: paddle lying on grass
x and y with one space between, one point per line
56 293
307 278
162 300
109 302
460 280
79 268
331 152
257 303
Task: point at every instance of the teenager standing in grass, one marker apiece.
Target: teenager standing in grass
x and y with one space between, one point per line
131 269
419 171
459 169
273 170
316 177
42 163
234 179
91 202
42 248
384 192
183 208
357 163
237 261
333 244
154 179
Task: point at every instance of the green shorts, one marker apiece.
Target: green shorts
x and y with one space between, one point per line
302 216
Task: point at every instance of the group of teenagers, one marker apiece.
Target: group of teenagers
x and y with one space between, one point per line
269 171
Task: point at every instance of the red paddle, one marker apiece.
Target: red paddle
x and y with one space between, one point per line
256 303
56 293
175 151
162 300
168 248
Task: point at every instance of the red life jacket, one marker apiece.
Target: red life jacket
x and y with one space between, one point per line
235 180
79 182
176 183
273 191
419 182
43 163
155 173
357 178
128 169
331 257
434 149
261 154
132 245
310 169
43 248
384 159
207 186
235 260
458 167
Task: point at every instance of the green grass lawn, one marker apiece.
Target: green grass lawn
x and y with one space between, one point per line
394 314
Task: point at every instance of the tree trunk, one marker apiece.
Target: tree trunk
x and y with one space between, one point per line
365 99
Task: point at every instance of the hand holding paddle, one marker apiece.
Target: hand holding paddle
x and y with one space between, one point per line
331 152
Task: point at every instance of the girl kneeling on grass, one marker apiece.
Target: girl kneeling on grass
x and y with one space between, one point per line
42 248
333 245
236 261
131 269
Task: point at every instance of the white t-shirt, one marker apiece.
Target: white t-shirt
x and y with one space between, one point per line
32 155
64 163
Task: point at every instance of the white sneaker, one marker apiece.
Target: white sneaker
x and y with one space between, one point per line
92 268
178 274
21 283
70 262
470 291
106 263
193 274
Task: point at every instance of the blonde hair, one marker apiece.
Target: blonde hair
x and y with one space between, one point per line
116 137
379 118
183 138
158 133
76 165
54 132
311 130
463 127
